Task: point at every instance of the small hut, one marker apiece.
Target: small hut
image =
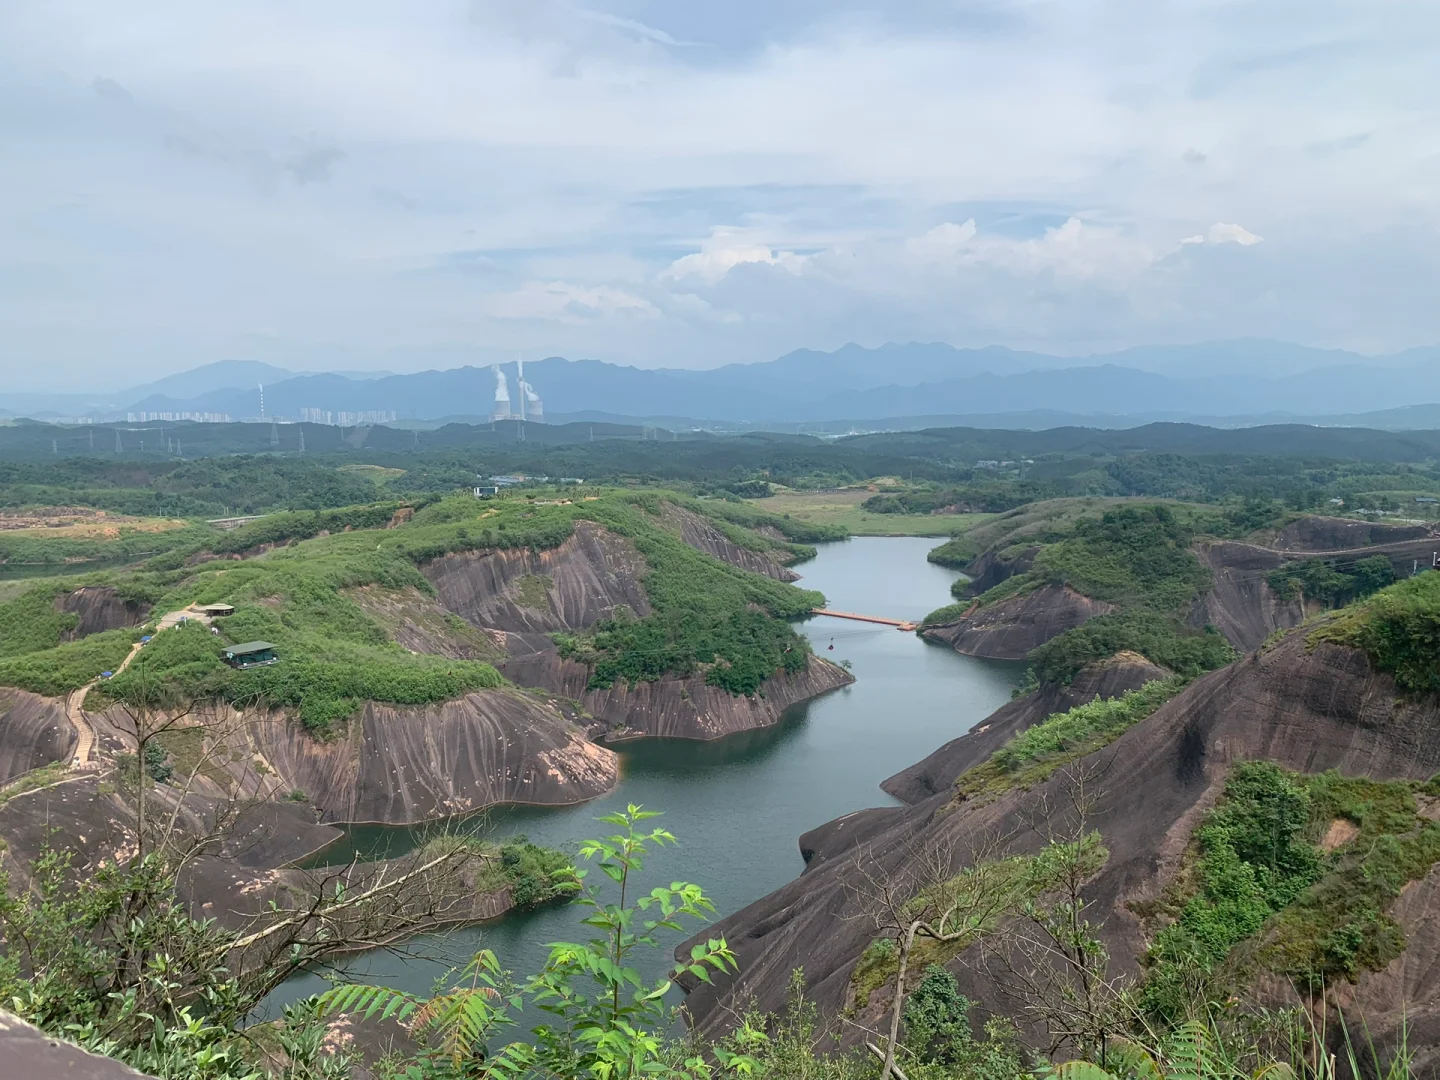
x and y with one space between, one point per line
216 611
251 654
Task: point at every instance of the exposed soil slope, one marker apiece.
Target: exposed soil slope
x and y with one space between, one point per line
1240 603
1010 628
1308 710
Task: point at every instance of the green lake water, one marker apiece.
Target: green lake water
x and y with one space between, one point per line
738 805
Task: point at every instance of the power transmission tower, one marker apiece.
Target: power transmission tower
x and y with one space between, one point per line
117 440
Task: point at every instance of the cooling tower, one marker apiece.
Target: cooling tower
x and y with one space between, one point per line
502 395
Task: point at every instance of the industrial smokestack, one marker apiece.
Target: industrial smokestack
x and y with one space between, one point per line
502 395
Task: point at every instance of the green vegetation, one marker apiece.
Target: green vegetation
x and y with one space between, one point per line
1325 582
1160 639
211 487
1399 629
536 875
983 497
535 591
55 672
707 616
845 511
1293 875
1137 556
1034 755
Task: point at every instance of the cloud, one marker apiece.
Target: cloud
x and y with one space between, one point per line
564 302
1024 174
1221 233
727 248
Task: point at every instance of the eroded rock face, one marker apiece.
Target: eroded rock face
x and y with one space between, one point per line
701 533
34 731
1308 710
1009 629
400 766
570 587
1337 534
675 707
585 580
1240 603
100 608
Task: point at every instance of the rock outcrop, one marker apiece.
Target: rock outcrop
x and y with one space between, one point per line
1308 709
520 597
1319 534
100 608
34 731
1240 603
584 580
402 766
936 773
701 533
1008 629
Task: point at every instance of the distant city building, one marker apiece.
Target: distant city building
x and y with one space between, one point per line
1425 499
198 417
506 481
342 418
487 491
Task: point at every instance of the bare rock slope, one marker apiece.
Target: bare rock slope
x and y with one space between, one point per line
100 607
521 597
1307 709
1010 628
34 731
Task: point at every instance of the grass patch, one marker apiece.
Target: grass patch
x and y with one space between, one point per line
1033 755
1006 884
534 590
843 510
33 780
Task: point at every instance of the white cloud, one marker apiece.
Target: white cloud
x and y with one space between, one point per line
942 243
1220 233
727 248
564 302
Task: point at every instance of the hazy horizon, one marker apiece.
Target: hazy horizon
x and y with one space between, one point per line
361 187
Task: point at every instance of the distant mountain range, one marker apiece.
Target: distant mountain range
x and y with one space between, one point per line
1229 383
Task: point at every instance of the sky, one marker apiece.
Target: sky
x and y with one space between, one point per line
371 185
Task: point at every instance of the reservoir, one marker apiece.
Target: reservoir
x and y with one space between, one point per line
738 805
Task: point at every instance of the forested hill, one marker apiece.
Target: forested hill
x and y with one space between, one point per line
32 441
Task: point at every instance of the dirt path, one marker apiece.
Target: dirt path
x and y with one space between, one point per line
75 708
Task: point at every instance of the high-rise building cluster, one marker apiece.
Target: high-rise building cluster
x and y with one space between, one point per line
343 418
198 417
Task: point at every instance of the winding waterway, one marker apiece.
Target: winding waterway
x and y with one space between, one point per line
739 804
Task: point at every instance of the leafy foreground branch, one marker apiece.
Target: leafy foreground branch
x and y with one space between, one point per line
113 962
